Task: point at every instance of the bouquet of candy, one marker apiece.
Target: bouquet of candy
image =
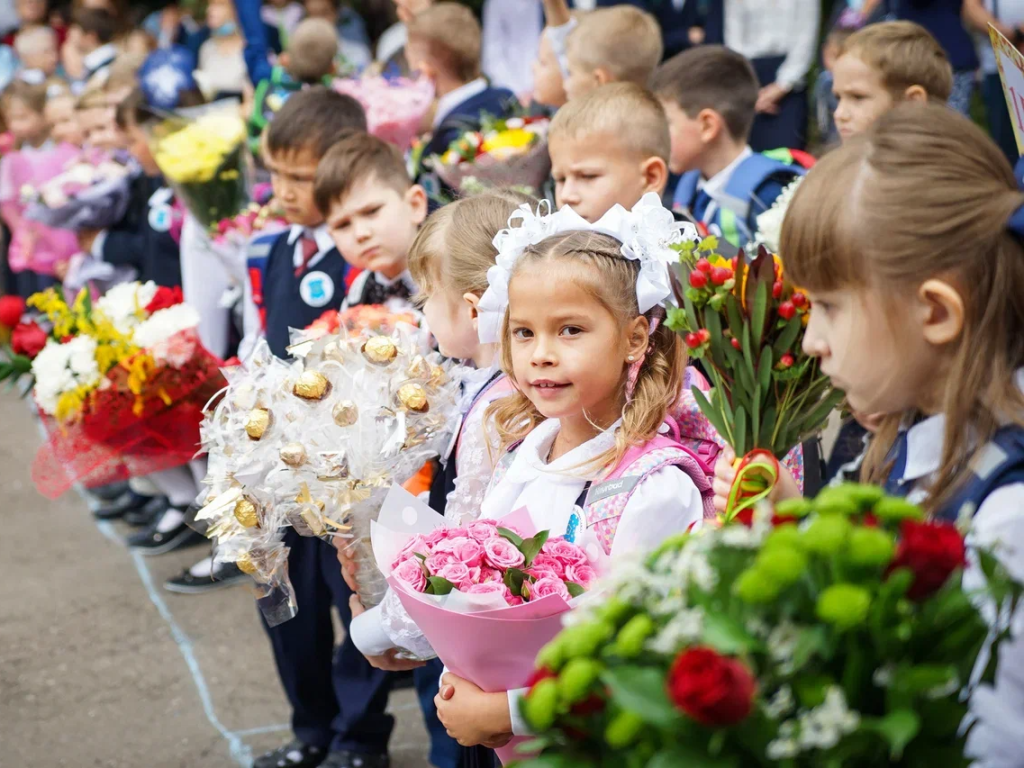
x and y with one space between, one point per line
261 215
746 323
93 192
487 596
395 107
121 384
505 152
830 632
20 341
205 157
315 445
374 318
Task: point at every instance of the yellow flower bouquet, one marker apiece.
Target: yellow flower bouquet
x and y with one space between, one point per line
205 158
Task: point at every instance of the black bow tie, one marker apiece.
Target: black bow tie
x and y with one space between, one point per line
376 293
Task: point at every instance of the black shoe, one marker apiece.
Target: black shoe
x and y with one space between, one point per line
154 542
224 575
346 759
148 513
116 508
110 491
294 754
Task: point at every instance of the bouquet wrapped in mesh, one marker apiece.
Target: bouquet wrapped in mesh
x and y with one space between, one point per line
204 156
395 107
315 445
508 152
91 193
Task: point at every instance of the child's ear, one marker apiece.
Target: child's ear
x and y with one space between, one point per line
284 60
416 197
638 336
603 76
473 302
655 173
916 93
710 125
942 310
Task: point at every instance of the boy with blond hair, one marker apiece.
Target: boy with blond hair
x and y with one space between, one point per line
709 94
609 45
444 45
609 146
883 65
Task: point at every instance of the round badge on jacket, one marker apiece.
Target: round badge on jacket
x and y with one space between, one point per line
317 289
160 217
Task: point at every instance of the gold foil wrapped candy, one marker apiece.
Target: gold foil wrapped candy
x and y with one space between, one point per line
419 368
247 513
311 385
437 376
380 350
413 397
246 565
293 454
345 413
257 423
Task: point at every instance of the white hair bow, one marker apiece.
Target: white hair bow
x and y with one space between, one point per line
646 232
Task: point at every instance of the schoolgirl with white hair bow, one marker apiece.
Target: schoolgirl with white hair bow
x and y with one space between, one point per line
588 445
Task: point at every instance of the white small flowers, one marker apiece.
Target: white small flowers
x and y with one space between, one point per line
781 704
819 728
683 629
691 566
62 368
782 643
769 223
123 304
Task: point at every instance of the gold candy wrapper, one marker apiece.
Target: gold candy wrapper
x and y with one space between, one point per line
247 513
311 385
419 368
246 565
257 424
345 413
413 397
380 350
293 454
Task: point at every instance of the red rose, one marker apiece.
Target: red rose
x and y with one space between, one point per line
712 689
164 298
932 550
746 517
543 673
28 339
11 310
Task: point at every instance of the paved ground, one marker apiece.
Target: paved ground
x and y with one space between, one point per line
100 667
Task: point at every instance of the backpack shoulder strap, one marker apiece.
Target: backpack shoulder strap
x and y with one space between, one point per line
748 178
685 190
606 500
998 463
502 466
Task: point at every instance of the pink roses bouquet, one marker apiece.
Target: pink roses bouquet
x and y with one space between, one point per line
484 558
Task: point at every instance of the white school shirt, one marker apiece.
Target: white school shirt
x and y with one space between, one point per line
766 28
715 186
995 741
388 625
252 328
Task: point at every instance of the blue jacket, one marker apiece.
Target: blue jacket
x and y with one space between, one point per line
143 239
260 39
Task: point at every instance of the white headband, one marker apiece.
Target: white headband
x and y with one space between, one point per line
646 233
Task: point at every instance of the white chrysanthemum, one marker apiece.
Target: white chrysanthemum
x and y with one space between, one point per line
162 325
782 643
60 368
769 223
824 726
121 304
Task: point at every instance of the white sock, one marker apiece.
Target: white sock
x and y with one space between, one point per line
143 486
172 519
177 485
203 568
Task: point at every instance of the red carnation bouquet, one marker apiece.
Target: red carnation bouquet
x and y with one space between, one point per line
828 632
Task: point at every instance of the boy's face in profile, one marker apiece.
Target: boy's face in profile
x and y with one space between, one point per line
548 86
45 59
291 175
593 173
581 80
687 144
860 93
374 225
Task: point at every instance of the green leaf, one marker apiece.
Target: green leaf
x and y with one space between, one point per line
811 642
715 417
511 536
898 728
531 547
677 756
575 590
732 313
21 364
641 690
757 320
764 369
514 579
727 635
420 556
713 322
784 343
438 586
739 437
691 314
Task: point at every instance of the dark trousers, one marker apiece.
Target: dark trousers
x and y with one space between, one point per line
999 125
338 700
788 128
29 282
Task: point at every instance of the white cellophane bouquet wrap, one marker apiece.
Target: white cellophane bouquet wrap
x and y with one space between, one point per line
316 444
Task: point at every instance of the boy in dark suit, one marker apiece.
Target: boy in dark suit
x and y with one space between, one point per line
444 45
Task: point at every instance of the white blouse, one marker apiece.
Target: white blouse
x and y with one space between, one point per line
764 28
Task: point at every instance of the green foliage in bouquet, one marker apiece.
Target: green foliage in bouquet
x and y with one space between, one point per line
833 632
746 324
